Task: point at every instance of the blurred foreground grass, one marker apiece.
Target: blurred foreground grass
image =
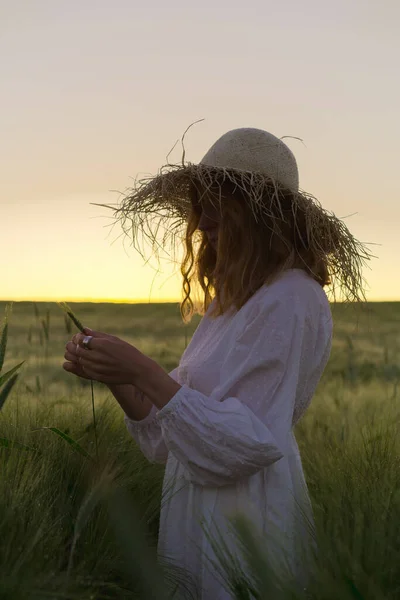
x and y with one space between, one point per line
74 527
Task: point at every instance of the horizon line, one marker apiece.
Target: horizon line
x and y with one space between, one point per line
135 301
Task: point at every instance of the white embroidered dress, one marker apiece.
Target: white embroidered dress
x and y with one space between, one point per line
226 436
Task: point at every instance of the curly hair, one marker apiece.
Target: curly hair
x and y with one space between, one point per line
258 251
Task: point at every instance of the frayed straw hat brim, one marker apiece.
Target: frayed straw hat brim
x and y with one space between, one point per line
165 198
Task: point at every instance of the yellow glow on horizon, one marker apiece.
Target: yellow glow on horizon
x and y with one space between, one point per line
141 300
94 300
67 157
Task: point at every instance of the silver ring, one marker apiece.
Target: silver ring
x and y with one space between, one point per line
86 340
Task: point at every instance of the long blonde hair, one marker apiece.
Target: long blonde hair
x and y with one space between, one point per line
249 253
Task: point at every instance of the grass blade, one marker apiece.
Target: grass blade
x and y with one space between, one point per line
5 392
5 443
10 374
7 375
3 341
74 445
64 306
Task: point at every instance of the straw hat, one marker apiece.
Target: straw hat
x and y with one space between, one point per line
264 170
254 150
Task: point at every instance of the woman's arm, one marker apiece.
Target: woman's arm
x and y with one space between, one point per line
133 402
141 422
244 424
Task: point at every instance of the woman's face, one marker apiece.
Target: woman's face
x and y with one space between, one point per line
209 220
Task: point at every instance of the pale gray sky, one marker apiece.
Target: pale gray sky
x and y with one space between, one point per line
93 93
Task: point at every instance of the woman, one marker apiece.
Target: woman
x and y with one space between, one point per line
250 371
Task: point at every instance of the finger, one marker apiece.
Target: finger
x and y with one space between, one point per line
75 370
71 347
70 366
74 367
94 343
75 352
96 366
91 358
79 337
94 374
102 334
74 345
71 357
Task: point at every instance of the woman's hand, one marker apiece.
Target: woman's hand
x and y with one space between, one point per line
73 366
108 360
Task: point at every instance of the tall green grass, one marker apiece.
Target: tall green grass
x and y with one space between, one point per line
64 306
75 527
8 379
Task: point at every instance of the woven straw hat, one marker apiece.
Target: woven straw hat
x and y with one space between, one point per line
265 172
254 150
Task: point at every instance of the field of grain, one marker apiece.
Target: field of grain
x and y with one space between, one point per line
75 527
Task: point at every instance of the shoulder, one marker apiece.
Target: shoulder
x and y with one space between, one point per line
294 291
296 283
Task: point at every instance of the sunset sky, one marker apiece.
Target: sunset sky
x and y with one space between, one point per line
95 93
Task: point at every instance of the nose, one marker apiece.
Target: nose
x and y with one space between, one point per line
209 214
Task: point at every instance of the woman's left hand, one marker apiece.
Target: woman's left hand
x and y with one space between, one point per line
109 359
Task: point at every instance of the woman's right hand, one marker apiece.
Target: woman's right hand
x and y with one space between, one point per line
74 366
132 401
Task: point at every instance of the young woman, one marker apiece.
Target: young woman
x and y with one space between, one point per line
266 251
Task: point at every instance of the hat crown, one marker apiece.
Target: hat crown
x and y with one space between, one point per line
255 150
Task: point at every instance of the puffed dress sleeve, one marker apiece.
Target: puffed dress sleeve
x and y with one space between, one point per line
243 425
147 433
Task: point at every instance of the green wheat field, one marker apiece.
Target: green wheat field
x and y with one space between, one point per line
74 525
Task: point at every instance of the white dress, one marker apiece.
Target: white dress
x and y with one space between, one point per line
227 438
